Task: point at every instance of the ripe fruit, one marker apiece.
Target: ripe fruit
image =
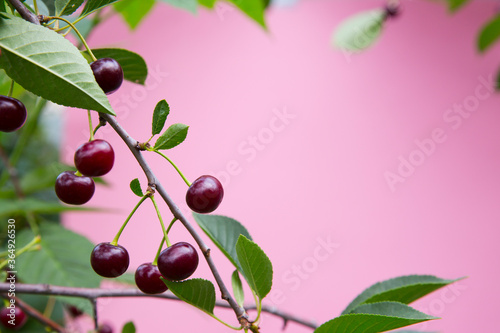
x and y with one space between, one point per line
74 190
73 311
109 260
104 328
108 74
94 158
12 114
147 278
205 194
178 261
391 10
13 318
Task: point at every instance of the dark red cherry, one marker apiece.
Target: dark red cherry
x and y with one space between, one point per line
109 260
74 190
104 328
108 74
147 278
94 158
13 318
178 262
205 194
12 114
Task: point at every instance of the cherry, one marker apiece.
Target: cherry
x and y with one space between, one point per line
13 318
12 114
104 328
108 74
147 278
74 190
205 194
94 158
73 311
178 261
109 260
391 10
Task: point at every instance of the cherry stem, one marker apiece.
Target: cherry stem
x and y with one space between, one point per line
36 7
11 90
90 126
28 247
155 262
175 166
78 173
117 237
165 232
258 306
77 32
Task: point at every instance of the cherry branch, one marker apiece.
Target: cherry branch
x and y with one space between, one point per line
24 12
95 293
154 183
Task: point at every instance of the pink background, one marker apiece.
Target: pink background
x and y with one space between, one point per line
320 175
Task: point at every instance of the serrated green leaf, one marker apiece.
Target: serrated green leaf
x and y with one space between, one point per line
189 5
160 116
359 31
54 263
489 34
224 232
172 137
45 63
135 186
133 11
67 7
454 5
134 67
128 327
375 318
10 207
239 294
197 292
253 9
403 289
93 5
256 266
207 3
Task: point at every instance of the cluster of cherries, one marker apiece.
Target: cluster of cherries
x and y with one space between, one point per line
175 263
94 158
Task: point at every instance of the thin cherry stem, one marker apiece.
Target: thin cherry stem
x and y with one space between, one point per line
36 7
155 262
90 126
188 183
117 237
11 89
77 32
165 233
224 323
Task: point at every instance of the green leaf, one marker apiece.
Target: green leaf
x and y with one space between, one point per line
207 3
67 7
2 6
133 11
93 5
489 34
403 289
3 276
50 5
189 5
256 266
9 207
63 259
253 9
359 31
172 137
454 5
197 292
128 327
375 318
45 63
238 292
224 232
160 116
134 67
135 186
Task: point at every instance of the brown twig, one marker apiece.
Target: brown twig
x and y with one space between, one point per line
94 293
24 12
33 312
